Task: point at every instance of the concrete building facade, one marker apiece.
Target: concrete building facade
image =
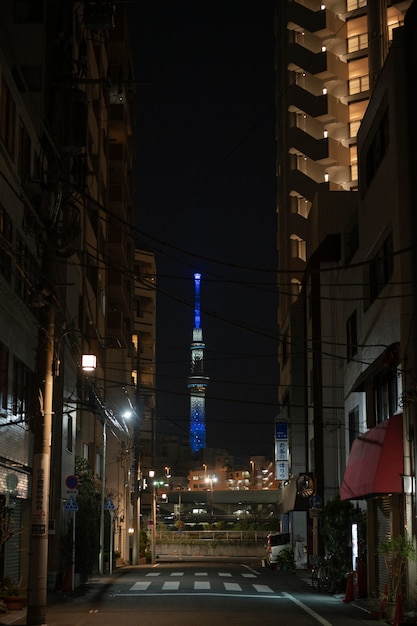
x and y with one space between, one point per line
67 276
330 57
344 309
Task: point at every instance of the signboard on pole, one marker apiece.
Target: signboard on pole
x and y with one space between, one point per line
281 431
71 504
281 451
71 483
281 470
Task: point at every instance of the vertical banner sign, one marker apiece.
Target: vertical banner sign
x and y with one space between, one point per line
281 451
41 503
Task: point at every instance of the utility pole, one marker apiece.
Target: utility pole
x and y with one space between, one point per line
38 554
102 502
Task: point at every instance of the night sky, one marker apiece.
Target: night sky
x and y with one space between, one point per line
205 201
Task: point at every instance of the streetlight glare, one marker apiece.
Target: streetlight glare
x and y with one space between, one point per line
88 362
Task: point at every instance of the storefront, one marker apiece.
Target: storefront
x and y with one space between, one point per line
374 475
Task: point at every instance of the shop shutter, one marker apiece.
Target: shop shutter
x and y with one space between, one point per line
383 532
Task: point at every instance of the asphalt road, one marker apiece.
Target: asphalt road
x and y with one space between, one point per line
201 594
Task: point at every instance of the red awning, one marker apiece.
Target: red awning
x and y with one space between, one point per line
376 461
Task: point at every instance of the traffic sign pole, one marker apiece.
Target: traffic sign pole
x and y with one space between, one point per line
73 552
111 542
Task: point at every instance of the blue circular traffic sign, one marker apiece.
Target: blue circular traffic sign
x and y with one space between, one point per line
316 502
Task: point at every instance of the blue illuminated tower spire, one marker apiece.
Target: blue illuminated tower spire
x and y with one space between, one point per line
197 382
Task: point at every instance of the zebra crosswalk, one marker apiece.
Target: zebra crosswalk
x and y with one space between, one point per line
176 581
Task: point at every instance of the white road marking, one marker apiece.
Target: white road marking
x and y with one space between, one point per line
153 574
307 609
232 587
199 586
142 585
171 585
225 574
249 575
201 574
263 589
177 574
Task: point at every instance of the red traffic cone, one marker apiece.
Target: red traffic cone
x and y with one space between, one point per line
350 595
66 583
398 615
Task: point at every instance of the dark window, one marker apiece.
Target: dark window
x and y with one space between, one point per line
28 11
4 375
26 271
6 233
279 539
386 394
24 153
353 425
7 118
69 433
351 240
377 148
351 336
381 268
22 385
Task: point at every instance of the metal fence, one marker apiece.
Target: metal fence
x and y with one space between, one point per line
244 536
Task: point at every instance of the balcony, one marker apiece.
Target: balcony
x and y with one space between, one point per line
315 149
300 99
118 327
119 290
301 58
299 15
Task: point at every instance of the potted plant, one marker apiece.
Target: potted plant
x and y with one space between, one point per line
376 611
397 551
286 559
14 597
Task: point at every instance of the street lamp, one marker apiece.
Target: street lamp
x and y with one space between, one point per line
103 501
88 362
153 527
211 480
103 490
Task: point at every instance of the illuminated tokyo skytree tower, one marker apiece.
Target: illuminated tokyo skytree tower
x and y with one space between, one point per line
197 382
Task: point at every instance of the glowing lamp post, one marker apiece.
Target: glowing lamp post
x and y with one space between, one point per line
153 517
211 480
88 362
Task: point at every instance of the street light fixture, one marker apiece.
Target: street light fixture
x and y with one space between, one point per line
211 480
88 362
103 490
153 526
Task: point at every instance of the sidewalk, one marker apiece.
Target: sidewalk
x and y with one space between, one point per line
12 617
360 603
56 597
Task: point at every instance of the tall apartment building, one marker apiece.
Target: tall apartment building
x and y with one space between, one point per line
66 274
329 58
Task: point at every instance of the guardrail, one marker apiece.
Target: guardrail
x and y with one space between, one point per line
244 536
213 543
